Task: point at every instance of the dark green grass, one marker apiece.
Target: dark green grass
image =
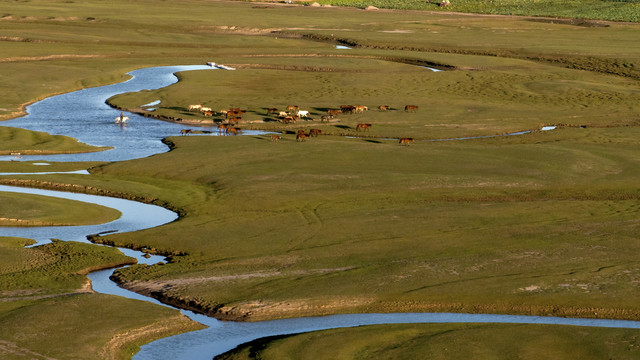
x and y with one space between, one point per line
464 341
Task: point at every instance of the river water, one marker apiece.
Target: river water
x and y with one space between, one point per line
85 116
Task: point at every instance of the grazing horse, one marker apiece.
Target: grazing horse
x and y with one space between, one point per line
314 132
303 113
334 112
411 107
363 127
185 132
301 136
272 111
289 119
360 108
405 141
326 118
195 107
384 107
275 138
122 119
347 108
233 113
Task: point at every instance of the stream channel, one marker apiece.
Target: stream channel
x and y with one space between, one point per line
85 116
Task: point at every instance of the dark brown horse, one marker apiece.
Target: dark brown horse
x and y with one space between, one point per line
411 108
315 132
363 127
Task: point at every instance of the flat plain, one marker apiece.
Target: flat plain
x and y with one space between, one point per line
541 223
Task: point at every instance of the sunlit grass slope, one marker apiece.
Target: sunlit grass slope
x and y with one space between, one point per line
466 341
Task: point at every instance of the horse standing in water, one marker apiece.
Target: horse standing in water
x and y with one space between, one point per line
122 119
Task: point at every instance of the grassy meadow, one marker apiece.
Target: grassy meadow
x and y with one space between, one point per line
451 341
45 298
34 210
615 10
543 223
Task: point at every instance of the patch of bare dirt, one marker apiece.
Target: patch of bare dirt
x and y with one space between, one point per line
51 57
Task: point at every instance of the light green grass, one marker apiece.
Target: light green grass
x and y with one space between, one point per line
33 210
24 142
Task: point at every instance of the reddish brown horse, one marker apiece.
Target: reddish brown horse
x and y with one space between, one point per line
334 112
185 132
315 132
411 108
363 127
289 119
384 107
275 138
405 141
234 120
293 108
233 130
301 136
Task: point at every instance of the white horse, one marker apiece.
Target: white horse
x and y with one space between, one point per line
122 119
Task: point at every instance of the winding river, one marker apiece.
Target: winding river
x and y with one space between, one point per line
84 115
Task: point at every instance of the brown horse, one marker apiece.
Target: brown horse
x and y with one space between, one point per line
411 108
234 120
272 111
275 138
405 141
384 107
347 109
301 136
293 108
361 108
289 119
233 130
363 127
185 132
208 113
222 127
334 112
233 114
315 132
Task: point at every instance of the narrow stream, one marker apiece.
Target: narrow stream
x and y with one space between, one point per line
84 115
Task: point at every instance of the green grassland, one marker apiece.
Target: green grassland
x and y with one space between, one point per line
543 223
463 341
33 210
616 10
47 310
24 142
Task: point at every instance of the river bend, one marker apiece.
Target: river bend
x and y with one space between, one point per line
85 116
